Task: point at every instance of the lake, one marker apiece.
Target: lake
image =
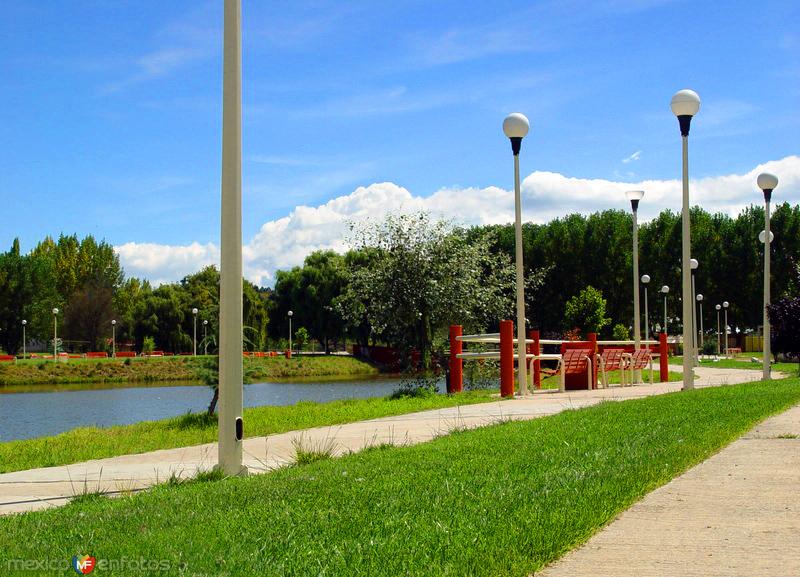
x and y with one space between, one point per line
28 415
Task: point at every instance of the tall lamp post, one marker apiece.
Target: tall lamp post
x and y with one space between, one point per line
685 104
635 196
55 335
693 265
516 127
231 425
718 307
700 337
290 314
24 340
725 332
665 292
767 183
194 336
113 338
645 281
205 337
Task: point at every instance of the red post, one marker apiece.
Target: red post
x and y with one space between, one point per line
456 364
506 358
593 343
537 367
663 352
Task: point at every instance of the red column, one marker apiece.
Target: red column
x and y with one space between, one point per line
506 358
593 346
537 368
456 364
663 350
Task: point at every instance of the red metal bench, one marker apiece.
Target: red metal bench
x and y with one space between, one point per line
611 360
7 358
125 354
575 362
97 355
638 361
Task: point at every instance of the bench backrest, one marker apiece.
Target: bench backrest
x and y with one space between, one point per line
641 358
575 360
612 358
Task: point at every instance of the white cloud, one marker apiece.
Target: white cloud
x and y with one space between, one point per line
283 243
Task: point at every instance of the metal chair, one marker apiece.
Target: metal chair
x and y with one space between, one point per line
611 360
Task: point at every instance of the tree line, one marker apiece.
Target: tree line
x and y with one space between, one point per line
404 280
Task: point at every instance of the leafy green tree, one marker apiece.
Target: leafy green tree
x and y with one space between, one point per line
586 311
620 332
423 277
300 338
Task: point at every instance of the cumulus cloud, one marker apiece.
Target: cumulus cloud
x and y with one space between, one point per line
283 243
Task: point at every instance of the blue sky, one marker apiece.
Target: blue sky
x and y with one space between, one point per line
110 115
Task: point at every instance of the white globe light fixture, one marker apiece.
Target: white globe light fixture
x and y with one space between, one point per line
685 104
635 196
762 236
767 183
516 127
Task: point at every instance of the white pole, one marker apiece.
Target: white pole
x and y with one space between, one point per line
665 315
230 310
688 292
701 340
646 317
694 322
725 332
521 345
767 344
113 340
290 333
718 349
55 335
23 339
637 331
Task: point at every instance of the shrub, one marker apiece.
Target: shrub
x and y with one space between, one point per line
621 332
420 385
586 310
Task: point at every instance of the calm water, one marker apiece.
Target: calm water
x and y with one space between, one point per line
28 415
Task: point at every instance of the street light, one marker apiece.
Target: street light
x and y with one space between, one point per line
718 307
205 337
24 325
290 314
685 104
645 280
113 338
665 291
516 127
700 340
725 306
767 183
55 335
635 196
693 265
194 338
231 425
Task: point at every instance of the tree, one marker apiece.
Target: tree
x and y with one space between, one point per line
586 311
424 276
300 338
784 318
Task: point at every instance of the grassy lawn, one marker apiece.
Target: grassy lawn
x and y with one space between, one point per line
93 443
503 500
743 362
614 378
34 372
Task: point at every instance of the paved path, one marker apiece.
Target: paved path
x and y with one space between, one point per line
53 486
735 515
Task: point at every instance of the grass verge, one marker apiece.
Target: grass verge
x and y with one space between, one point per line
194 429
43 372
504 500
743 362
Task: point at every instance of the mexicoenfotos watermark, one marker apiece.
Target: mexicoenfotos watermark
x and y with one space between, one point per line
86 564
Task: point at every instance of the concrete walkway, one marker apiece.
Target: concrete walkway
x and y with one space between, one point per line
735 515
40 488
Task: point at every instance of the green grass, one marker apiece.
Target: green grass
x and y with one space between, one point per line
194 429
30 373
743 362
614 378
500 501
